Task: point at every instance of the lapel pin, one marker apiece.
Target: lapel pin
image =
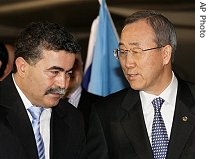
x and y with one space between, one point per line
184 118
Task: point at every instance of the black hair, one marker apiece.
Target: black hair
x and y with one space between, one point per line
39 36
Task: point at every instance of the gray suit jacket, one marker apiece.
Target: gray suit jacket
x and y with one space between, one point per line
118 128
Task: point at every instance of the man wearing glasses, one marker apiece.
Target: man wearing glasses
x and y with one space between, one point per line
154 118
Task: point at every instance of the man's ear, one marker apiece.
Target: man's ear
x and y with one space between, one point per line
167 54
21 65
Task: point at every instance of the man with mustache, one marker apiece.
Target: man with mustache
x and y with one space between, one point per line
44 57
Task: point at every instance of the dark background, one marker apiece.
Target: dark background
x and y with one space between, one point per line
78 16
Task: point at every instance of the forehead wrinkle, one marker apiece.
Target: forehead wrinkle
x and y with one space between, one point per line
134 43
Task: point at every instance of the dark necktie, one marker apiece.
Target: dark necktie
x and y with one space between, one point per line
36 113
159 133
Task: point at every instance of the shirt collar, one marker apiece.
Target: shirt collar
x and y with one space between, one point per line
169 94
25 100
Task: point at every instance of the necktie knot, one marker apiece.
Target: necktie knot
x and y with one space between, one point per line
157 103
35 112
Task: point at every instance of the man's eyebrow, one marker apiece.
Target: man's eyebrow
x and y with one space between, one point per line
132 43
59 69
55 68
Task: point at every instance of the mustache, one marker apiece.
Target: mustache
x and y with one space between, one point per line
58 90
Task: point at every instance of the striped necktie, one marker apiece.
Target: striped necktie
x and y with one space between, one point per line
159 133
36 113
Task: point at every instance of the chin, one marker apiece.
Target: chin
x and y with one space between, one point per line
52 103
135 87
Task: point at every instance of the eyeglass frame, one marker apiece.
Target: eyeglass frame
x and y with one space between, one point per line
116 51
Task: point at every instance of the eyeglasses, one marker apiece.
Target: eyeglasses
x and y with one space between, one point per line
121 53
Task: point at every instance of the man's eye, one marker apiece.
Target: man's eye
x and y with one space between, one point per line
122 51
69 74
136 50
55 72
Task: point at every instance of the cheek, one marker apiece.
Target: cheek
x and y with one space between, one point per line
150 67
152 62
39 82
79 79
153 69
73 81
122 64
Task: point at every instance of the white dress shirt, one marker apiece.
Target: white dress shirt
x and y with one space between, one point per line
44 121
167 109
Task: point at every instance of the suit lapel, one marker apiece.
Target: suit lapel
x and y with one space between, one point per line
60 131
183 123
134 126
18 118
21 125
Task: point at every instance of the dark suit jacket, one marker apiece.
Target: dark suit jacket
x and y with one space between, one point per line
85 103
118 128
16 134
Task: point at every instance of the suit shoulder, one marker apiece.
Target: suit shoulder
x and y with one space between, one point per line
91 96
65 108
187 87
115 99
118 94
